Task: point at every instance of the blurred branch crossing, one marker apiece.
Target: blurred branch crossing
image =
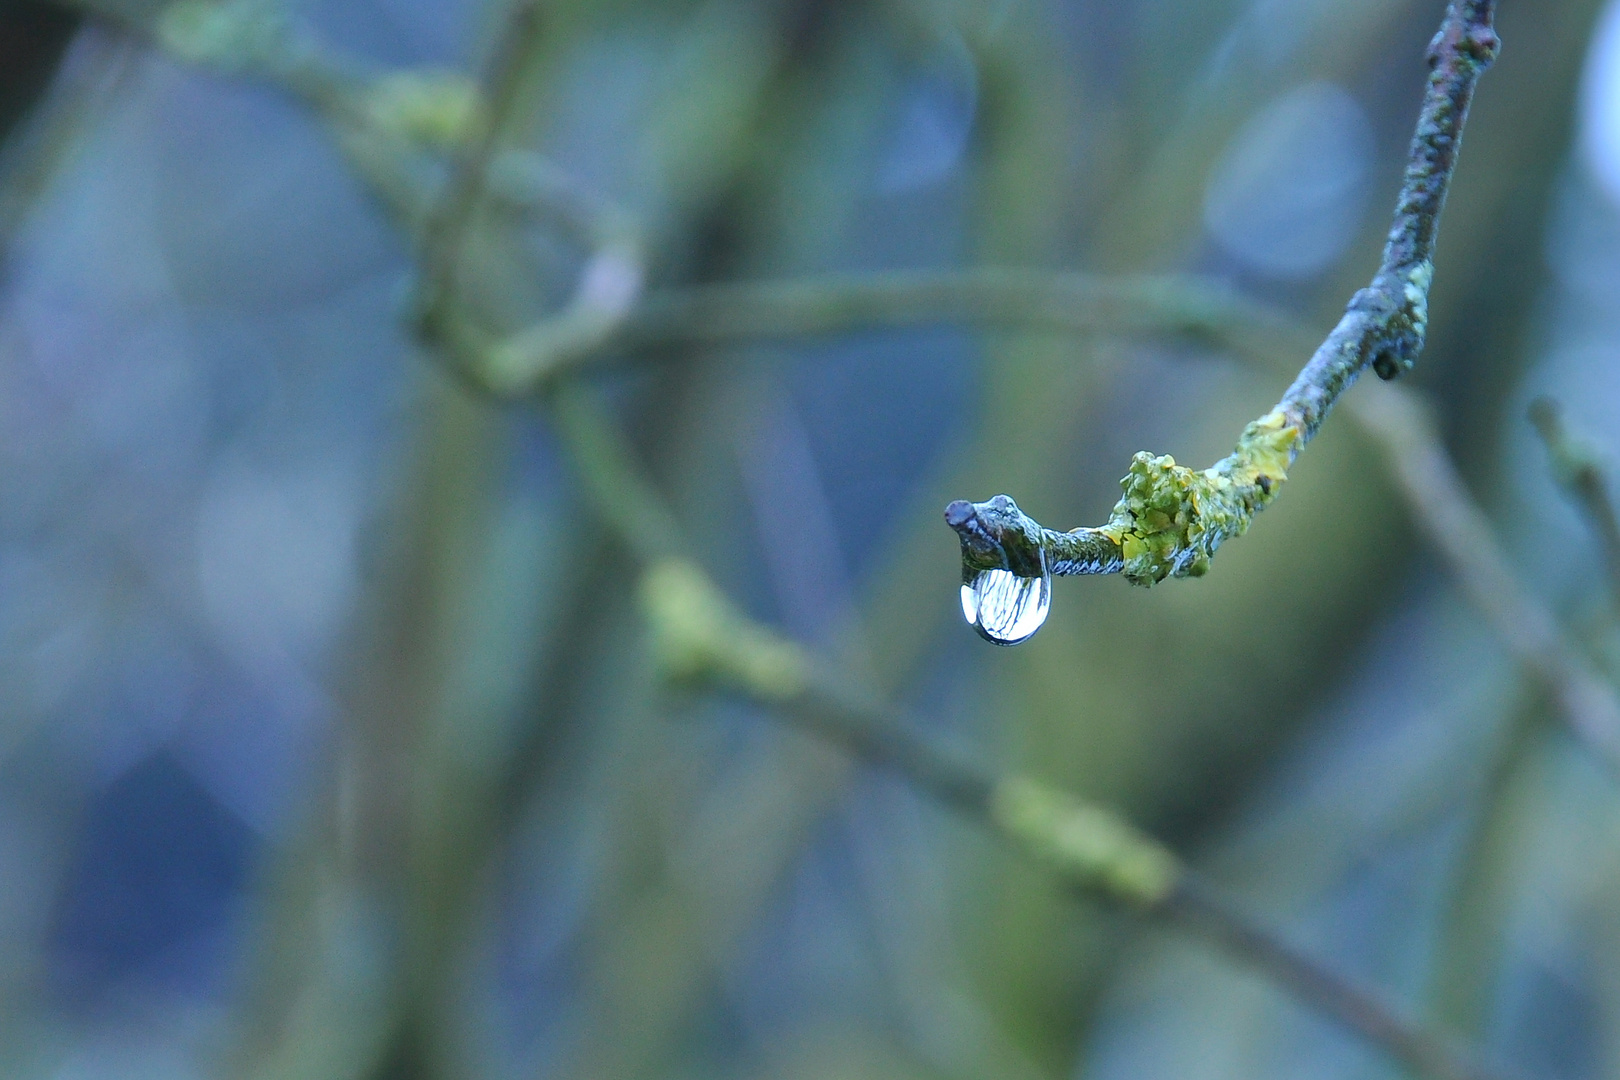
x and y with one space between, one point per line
395 128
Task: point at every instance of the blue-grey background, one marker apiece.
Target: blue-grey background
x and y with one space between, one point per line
329 742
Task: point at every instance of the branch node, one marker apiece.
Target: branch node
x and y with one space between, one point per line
1085 844
996 535
1172 519
697 634
440 110
1579 469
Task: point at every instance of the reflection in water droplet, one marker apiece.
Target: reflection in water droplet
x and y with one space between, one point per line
1005 608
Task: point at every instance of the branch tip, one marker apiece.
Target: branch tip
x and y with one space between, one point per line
1172 519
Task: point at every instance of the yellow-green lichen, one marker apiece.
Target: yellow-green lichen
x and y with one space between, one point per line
1087 844
1415 289
698 634
1171 518
439 109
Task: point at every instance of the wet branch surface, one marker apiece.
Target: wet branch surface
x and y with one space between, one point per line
1171 519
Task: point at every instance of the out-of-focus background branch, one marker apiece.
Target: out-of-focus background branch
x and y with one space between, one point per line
335 742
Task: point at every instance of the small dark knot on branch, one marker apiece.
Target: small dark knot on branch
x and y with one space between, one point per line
1467 32
996 535
1396 307
959 514
1482 44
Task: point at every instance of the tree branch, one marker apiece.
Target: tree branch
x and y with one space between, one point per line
719 314
1395 418
1172 519
1578 469
699 636
1462 534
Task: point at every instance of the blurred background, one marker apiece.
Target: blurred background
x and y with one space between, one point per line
330 742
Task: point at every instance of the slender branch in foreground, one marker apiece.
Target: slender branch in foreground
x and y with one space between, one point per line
1172 519
1079 303
699 636
1578 469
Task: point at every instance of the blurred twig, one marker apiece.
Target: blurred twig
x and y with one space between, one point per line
1460 531
668 319
32 155
1087 846
1578 469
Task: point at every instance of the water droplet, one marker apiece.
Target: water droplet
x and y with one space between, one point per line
1004 608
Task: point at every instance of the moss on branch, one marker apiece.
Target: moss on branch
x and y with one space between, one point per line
1172 519
697 635
1086 844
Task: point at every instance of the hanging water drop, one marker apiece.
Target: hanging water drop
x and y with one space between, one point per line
1004 608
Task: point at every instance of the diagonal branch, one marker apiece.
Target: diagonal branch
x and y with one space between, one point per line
1172 519
1578 468
1462 534
700 637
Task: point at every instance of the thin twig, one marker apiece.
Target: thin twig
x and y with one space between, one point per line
1579 471
1459 529
609 286
444 237
671 318
1172 519
1089 847
1194 904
